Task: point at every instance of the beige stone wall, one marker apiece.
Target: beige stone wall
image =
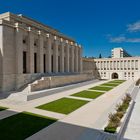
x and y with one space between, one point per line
55 81
126 68
8 59
1 53
24 79
89 66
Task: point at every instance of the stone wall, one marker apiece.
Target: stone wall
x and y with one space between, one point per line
1 48
55 81
8 59
89 66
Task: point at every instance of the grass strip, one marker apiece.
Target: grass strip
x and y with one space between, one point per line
63 105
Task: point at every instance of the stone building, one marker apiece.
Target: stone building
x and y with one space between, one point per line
119 53
118 68
29 49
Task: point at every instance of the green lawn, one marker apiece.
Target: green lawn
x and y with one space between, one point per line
101 88
118 81
63 105
23 125
88 94
2 108
110 84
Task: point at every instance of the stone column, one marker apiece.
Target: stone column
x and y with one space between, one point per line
19 50
109 65
49 54
40 54
99 65
72 57
134 65
62 56
81 61
67 56
30 52
76 58
55 54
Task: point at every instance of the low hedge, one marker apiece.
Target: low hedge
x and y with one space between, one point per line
115 119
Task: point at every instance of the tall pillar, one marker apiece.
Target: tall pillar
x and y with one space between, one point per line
40 54
49 54
81 61
55 55
62 56
76 58
109 65
19 50
30 52
72 57
67 56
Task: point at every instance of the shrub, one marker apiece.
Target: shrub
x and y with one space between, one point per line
115 119
110 129
120 114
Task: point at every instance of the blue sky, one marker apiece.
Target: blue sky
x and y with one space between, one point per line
98 25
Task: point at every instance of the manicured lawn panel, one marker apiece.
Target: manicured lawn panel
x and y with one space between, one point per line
63 105
118 81
23 125
114 83
109 84
88 94
2 108
101 88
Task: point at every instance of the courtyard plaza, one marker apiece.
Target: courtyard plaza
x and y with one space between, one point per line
91 114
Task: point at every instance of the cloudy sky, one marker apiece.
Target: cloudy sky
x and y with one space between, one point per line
98 25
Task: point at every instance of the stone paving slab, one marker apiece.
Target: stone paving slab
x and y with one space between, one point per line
47 113
96 90
80 98
8 113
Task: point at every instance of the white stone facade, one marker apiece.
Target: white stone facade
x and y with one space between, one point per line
29 49
118 68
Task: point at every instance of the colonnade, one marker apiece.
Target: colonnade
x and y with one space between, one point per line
46 53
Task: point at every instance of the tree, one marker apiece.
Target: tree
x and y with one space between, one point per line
100 55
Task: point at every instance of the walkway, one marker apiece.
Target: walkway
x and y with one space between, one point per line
81 124
30 105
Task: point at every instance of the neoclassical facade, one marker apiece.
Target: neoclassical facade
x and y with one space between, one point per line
29 49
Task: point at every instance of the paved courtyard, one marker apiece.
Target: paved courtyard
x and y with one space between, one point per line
78 124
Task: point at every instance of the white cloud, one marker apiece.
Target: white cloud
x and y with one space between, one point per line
133 40
134 27
117 39
121 39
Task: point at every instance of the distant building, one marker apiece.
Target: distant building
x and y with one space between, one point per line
119 53
120 66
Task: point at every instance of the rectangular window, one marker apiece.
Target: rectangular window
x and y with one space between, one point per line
24 62
35 62
58 63
44 57
52 63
